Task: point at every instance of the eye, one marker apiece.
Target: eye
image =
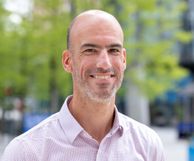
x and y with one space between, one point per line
89 51
114 51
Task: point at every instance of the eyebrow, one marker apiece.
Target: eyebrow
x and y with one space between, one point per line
115 45
90 45
98 46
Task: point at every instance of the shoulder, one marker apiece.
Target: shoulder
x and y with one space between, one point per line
17 151
142 137
27 145
136 127
43 128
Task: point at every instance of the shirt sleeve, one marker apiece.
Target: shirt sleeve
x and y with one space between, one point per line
156 152
14 152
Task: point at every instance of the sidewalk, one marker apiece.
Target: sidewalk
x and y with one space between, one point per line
175 149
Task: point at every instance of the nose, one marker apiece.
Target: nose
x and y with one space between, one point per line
103 60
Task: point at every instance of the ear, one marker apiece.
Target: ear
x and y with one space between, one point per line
124 58
66 61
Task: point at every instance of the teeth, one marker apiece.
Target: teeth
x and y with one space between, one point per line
102 77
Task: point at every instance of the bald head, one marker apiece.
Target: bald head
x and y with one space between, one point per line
92 18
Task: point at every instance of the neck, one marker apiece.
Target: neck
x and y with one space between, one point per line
95 118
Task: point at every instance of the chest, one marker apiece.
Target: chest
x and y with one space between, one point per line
109 150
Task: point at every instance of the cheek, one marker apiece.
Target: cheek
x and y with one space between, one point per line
119 65
123 64
87 63
76 70
83 69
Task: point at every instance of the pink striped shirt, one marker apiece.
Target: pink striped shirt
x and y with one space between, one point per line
61 138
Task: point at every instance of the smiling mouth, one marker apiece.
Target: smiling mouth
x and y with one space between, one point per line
102 76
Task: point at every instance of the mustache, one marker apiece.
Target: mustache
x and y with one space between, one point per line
101 70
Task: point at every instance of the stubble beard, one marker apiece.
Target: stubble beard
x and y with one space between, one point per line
100 98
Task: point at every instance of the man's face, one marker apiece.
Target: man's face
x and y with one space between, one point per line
98 60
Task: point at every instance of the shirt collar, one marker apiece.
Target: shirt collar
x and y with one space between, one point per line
68 123
118 124
72 128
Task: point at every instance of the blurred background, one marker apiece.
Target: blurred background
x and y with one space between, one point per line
158 89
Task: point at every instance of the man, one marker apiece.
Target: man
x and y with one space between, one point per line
88 127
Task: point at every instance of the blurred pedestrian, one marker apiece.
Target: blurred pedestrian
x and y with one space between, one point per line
89 127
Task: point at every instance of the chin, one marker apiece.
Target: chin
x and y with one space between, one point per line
102 98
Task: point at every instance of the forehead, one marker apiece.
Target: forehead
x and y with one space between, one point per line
96 25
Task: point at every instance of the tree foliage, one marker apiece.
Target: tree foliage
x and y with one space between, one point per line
31 50
152 34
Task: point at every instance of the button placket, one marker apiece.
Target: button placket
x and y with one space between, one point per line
102 154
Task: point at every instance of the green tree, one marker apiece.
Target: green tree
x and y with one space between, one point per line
49 21
10 80
152 34
31 51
